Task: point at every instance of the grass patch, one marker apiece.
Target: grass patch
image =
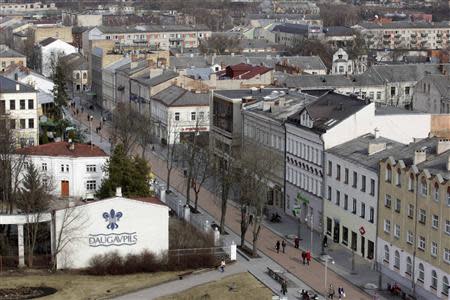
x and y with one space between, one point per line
239 286
75 286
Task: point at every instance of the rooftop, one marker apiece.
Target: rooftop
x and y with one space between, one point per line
47 41
329 110
151 28
291 28
242 71
8 52
10 86
156 80
403 24
356 151
257 94
177 96
62 149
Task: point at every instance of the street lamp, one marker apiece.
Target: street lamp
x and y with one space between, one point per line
90 129
311 219
327 258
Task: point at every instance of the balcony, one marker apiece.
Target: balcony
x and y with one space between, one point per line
413 35
439 34
439 41
386 36
424 34
398 35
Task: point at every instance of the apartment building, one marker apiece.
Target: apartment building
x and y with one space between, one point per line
343 65
9 57
19 111
78 72
351 192
413 246
33 7
153 36
50 51
291 34
264 125
432 94
41 32
405 35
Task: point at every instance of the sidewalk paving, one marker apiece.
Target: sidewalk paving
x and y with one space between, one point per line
270 233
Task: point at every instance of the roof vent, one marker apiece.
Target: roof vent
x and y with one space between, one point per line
376 147
420 156
442 146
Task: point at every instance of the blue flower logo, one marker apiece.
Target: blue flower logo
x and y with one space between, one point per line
112 218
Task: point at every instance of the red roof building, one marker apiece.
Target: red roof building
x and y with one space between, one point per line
63 149
242 71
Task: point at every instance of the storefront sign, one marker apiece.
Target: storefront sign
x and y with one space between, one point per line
362 230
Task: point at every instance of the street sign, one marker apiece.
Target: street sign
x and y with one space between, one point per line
362 230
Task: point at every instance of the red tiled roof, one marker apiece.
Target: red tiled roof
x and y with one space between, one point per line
152 200
62 149
243 71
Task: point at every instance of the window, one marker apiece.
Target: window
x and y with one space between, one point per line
329 193
447 227
30 104
434 249
338 172
397 231
338 198
12 104
445 285
372 187
447 255
22 123
421 276
378 95
422 216
363 183
201 115
409 237
408 266
397 259
355 180
91 185
44 166
410 211
386 253
354 206
12 124
363 210
448 196
398 205
329 225
411 183
387 226
407 88
62 168
346 176
387 201
30 123
91 168
388 175
371 215
435 221
22 104
177 116
193 115
392 91
422 244
330 168
345 235
436 192
346 202
423 187
398 178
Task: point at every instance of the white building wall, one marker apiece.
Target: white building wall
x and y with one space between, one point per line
185 124
403 128
142 226
56 48
422 289
77 173
346 217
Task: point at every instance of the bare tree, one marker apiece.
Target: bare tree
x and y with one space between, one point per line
34 202
124 127
255 168
201 171
145 127
172 136
220 44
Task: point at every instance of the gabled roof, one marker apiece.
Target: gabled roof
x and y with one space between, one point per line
156 80
47 41
177 96
62 149
291 28
243 71
329 110
10 86
8 52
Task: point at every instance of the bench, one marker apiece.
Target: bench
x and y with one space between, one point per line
276 274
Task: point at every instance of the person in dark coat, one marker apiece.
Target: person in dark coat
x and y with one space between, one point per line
283 245
296 242
284 287
277 246
304 257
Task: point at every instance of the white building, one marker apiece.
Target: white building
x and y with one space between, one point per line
75 170
179 113
18 102
351 192
343 65
119 224
49 50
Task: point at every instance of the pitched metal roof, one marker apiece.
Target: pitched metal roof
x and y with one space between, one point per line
10 86
177 96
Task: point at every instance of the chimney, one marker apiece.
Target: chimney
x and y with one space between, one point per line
16 76
419 156
376 147
71 145
118 191
442 146
17 87
376 133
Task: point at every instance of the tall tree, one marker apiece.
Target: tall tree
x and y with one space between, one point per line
220 44
33 200
129 173
125 128
309 47
59 88
145 136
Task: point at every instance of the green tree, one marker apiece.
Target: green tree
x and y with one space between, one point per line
59 89
129 173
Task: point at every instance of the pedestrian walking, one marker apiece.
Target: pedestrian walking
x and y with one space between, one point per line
283 245
222 266
296 242
308 257
341 293
304 257
82 109
331 292
78 111
277 246
284 287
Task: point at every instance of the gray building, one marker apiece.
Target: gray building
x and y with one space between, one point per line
264 124
432 94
